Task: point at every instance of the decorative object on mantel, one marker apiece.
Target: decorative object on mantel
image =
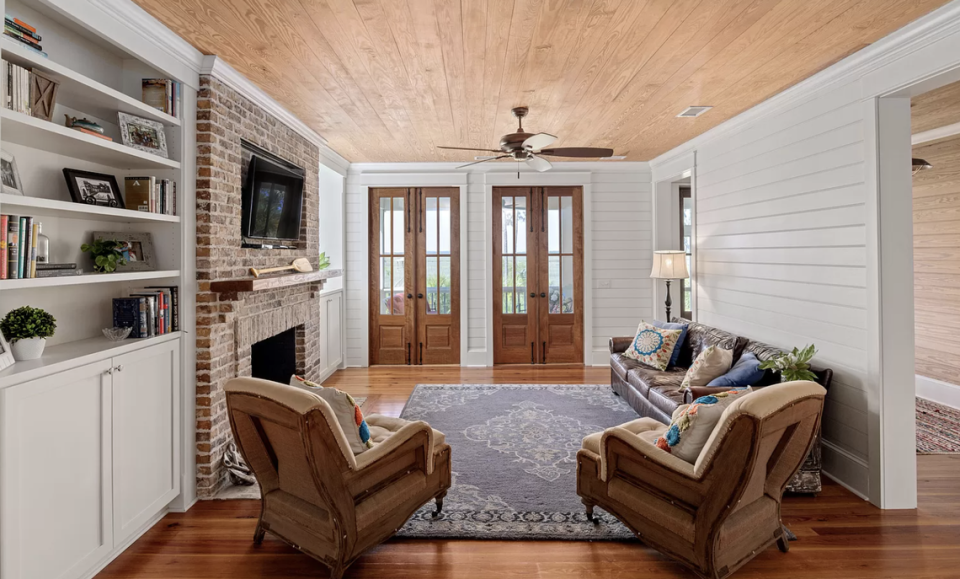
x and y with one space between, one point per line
85 126
272 282
117 334
27 329
324 261
136 249
43 95
143 135
106 254
9 175
90 188
668 265
793 365
300 264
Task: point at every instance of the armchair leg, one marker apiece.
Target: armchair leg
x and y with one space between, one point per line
436 513
589 506
783 544
258 534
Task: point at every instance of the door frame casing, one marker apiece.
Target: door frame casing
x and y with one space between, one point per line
530 179
409 180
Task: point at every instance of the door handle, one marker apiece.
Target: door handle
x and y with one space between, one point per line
409 296
543 359
533 294
408 353
533 353
421 353
420 296
543 295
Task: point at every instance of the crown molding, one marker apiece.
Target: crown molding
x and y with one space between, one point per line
919 34
935 134
217 67
502 167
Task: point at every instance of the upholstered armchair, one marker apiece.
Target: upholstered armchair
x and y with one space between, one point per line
717 514
317 495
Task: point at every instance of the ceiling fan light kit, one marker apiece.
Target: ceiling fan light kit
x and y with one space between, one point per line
531 147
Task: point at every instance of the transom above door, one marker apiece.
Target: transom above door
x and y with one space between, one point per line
537 275
414 276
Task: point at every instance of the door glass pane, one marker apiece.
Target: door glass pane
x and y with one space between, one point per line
398 286
553 224
508 284
444 225
506 223
553 278
521 225
385 285
431 224
385 225
521 283
432 283
399 227
566 224
443 285
566 277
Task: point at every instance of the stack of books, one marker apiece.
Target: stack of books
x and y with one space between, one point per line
150 194
152 311
16 88
57 269
162 94
23 33
18 249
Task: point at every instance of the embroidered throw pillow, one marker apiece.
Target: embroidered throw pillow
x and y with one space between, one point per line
653 346
692 425
345 409
683 336
711 363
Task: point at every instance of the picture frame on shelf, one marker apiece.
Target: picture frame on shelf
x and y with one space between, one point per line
143 135
9 175
91 188
6 354
137 249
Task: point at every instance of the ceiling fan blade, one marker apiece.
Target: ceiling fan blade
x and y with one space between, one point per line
483 161
539 163
539 141
471 149
578 152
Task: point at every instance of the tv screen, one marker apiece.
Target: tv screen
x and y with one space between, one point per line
272 201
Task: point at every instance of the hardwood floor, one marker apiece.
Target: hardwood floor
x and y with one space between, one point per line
841 536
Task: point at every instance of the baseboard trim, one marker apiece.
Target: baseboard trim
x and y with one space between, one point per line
846 469
125 545
938 391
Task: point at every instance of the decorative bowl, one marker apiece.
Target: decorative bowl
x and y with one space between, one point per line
117 334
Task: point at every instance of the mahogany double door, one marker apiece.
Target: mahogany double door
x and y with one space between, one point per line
415 276
537 275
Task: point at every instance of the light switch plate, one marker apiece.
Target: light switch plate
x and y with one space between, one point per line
603 283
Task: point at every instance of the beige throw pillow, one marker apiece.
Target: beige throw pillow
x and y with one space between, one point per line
711 363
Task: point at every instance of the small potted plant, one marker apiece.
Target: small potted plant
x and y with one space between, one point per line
793 365
107 254
27 330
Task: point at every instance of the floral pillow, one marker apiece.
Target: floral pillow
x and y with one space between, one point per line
693 424
653 346
710 364
347 411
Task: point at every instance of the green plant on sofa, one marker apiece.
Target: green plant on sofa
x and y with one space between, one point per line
793 365
106 254
25 322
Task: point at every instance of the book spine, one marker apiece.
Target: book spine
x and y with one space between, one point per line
142 330
4 220
57 272
22 230
93 133
173 205
24 25
175 297
27 233
34 235
11 23
47 266
13 247
15 33
25 87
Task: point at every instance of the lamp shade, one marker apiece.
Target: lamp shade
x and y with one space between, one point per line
670 264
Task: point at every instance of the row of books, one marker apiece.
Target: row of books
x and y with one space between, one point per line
162 94
23 33
16 88
152 311
18 247
150 194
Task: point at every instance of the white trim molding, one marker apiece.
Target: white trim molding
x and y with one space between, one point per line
935 134
938 391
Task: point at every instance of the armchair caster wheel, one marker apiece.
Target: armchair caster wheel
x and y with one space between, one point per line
783 544
436 513
590 516
258 535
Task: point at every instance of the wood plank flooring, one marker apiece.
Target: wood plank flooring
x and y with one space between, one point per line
841 536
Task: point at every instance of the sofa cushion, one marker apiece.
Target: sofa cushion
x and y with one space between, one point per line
711 363
692 426
622 365
643 379
700 337
653 346
666 398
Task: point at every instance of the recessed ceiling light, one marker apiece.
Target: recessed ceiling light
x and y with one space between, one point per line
613 158
694 111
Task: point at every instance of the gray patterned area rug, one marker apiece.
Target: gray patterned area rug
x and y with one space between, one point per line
514 450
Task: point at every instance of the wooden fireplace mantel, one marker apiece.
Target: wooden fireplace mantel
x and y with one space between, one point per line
254 284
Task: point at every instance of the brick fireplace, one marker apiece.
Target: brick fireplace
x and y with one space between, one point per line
229 323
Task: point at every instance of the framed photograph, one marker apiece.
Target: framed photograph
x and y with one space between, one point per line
9 174
6 355
143 135
137 249
93 188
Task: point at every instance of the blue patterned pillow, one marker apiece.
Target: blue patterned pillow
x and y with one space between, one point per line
653 346
683 336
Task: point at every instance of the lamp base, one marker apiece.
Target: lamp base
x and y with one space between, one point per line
668 301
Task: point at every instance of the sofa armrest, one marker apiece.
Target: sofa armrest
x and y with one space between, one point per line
619 345
382 451
694 392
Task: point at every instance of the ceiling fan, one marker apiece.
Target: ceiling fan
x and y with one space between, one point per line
529 147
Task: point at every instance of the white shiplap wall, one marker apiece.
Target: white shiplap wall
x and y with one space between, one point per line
619 201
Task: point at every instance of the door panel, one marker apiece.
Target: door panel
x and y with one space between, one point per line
438 276
391 282
561 275
514 278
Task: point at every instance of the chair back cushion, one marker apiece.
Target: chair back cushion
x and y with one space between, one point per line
653 346
693 424
345 408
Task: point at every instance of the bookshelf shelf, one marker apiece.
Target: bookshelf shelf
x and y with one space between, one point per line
81 93
44 282
19 204
73 354
53 138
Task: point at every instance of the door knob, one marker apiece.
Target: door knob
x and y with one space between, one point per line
409 296
533 294
543 295
420 296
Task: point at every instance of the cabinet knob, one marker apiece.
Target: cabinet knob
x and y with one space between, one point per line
108 372
119 368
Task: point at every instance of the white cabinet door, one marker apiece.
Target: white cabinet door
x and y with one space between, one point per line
146 435
55 482
330 318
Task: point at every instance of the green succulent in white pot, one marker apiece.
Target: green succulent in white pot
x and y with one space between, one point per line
27 330
793 365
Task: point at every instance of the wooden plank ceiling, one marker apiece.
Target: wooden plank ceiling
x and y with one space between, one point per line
388 80
935 109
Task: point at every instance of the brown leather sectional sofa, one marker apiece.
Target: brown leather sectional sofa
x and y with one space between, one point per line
657 394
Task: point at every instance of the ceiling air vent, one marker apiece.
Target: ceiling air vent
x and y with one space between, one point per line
691 112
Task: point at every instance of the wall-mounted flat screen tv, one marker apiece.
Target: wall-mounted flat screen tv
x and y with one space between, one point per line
272 199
